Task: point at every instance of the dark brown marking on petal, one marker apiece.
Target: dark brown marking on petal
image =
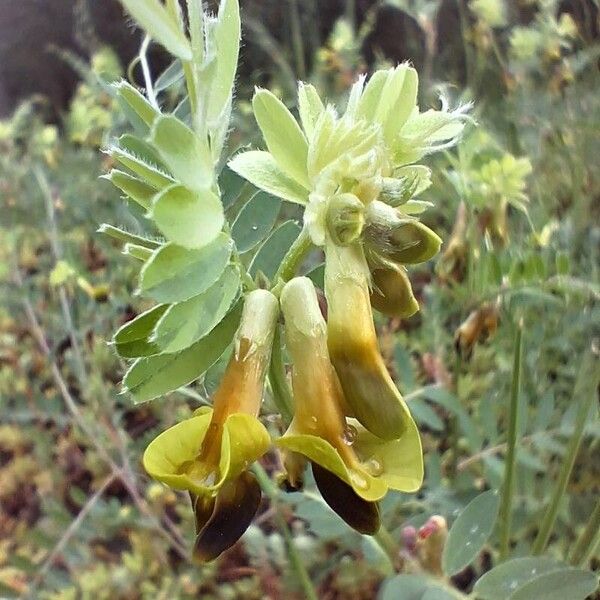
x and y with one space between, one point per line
235 507
361 515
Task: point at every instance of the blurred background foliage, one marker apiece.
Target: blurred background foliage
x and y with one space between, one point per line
519 205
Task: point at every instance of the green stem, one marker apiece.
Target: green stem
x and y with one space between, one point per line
453 423
383 538
464 28
588 540
294 557
505 515
294 257
584 394
297 44
279 385
351 14
497 52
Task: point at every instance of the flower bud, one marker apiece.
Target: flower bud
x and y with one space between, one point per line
345 218
391 292
430 544
400 238
478 326
407 182
368 388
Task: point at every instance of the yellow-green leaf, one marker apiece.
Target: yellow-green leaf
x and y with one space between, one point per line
310 107
227 36
132 187
282 134
189 219
261 170
186 322
137 102
185 154
160 25
132 340
154 376
174 274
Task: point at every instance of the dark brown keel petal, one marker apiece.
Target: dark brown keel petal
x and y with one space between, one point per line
233 511
361 515
203 509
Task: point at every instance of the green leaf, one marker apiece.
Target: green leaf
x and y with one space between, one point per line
151 377
424 415
574 584
132 339
185 155
189 219
507 577
282 134
271 253
255 221
227 36
149 173
450 402
470 532
142 149
132 187
160 25
186 322
310 107
175 274
231 186
137 102
172 75
261 170
412 587
317 275
126 237
140 252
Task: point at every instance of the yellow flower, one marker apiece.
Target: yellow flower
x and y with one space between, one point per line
209 454
370 393
352 467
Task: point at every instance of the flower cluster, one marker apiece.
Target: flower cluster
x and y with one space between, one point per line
355 173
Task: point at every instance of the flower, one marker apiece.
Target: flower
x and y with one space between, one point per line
208 454
370 393
352 467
